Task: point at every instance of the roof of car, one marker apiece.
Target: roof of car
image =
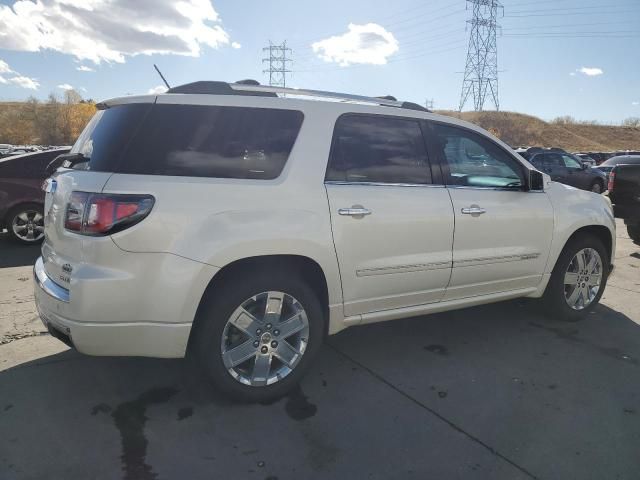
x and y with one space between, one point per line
621 159
31 154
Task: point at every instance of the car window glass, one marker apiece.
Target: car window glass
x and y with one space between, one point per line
370 148
553 160
476 161
213 141
570 162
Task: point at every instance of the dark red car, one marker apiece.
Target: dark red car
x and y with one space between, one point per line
21 195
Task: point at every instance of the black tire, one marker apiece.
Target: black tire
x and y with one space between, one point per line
217 308
18 210
633 229
597 186
553 300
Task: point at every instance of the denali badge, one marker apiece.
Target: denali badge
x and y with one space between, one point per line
67 268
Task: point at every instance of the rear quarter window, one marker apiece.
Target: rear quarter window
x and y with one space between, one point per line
213 141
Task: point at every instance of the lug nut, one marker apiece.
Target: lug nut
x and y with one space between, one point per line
256 344
268 326
274 344
264 349
276 332
258 331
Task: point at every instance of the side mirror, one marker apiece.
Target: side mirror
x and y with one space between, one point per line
536 181
584 166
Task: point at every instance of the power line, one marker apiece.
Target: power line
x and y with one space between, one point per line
278 63
481 70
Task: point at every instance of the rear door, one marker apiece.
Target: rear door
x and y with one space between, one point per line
502 232
392 219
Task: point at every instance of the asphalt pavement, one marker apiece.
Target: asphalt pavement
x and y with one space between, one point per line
493 392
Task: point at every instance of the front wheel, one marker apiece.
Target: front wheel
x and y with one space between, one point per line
258 335
597 187
578 279
26 223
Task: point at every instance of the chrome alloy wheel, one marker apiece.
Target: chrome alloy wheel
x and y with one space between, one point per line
582 278
28 226
265 338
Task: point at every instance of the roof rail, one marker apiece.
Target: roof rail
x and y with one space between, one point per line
246 88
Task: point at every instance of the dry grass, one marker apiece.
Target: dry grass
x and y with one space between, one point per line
518 129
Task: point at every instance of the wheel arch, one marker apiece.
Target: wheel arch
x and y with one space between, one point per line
603 233
308 269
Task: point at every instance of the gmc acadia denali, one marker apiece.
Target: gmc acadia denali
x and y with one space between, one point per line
242 223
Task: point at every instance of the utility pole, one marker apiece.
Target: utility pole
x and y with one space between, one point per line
278 63
429 104
481 71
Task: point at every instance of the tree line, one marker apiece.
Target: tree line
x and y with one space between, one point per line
56 121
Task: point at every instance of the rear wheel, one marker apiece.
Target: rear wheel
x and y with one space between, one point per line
633 229
578 279
256 336
26 223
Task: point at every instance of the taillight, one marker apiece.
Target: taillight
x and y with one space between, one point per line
103 214
612 180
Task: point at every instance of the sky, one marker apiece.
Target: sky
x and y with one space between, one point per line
555 57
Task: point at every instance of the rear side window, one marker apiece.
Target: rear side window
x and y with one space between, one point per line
370 148
107 135
213 141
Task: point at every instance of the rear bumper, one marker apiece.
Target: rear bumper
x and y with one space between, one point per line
113 337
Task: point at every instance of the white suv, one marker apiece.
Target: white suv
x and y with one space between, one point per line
243 225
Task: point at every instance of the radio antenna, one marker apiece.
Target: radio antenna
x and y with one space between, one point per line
161 76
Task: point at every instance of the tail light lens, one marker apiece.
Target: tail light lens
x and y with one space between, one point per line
612 180
100 214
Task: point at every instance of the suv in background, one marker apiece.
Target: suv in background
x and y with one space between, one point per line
243 227
566 168
21 195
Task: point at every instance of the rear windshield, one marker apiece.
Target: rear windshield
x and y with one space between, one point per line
191 140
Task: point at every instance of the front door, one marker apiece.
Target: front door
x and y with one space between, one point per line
502 232
392 227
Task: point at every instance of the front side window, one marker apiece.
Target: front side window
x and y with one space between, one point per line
378 149
476 161
571 162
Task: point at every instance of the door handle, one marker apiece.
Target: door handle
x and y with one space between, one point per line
355 211
473 210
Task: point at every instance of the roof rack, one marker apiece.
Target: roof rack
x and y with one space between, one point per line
249 88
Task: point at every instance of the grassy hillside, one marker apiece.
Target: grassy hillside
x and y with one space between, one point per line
519 129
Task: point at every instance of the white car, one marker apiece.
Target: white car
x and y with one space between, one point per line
241 225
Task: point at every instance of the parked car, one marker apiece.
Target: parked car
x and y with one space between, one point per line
606 166
586 159
244 227
624 192
21 195
566 168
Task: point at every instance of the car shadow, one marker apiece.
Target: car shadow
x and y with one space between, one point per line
478 386
13 254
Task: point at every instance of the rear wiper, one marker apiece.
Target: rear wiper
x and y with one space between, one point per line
66 160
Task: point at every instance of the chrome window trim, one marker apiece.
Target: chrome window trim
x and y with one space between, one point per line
383 184
499 189
47 285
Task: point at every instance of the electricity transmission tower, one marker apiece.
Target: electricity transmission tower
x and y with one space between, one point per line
278 63
481 71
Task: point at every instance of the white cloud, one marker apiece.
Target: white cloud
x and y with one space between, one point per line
4 67
573 74
590 71
156 90
65 86
635 104
16 78
25 82
235 45
369 44
111 30
84 68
